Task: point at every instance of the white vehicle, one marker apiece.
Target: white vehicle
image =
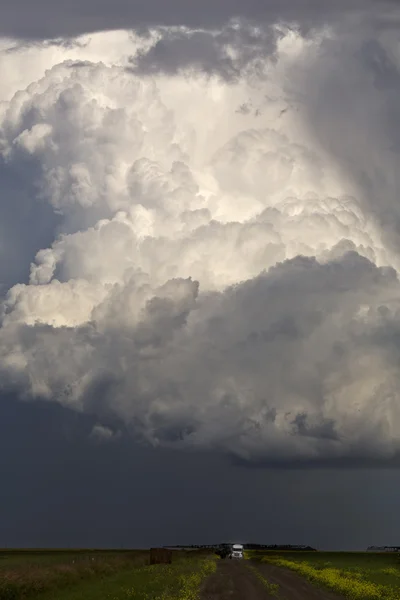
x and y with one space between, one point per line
237 551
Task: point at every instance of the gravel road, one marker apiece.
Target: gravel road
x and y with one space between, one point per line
237 580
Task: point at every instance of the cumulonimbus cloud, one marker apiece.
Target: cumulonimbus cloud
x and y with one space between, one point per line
214 277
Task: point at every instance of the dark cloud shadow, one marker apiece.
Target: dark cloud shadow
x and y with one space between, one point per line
26 223
50 20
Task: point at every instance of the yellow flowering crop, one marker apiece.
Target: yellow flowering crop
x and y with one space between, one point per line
354 584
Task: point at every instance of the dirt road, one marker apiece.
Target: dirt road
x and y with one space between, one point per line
238 580
233 581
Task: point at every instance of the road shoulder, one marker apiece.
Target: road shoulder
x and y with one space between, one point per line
293 586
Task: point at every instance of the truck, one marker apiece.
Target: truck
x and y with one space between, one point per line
237 551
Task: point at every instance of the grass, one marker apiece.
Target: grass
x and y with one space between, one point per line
79 575
355 575
180 580
20 559
27 574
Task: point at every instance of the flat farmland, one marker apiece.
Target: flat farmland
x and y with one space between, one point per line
92 574
198 575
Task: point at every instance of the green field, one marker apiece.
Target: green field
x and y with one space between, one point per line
98 575
355 575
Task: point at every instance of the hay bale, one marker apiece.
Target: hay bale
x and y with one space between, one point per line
160 556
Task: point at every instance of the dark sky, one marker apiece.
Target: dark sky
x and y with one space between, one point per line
61 489
285 366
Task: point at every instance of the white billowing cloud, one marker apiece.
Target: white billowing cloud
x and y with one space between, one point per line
23 63
214 279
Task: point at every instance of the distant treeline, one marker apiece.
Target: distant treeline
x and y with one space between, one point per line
279 547
249 547
383 549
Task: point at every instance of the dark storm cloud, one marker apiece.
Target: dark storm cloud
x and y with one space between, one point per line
206 50
85 494
47 19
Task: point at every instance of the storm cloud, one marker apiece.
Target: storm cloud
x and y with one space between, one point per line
49 20
202 243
